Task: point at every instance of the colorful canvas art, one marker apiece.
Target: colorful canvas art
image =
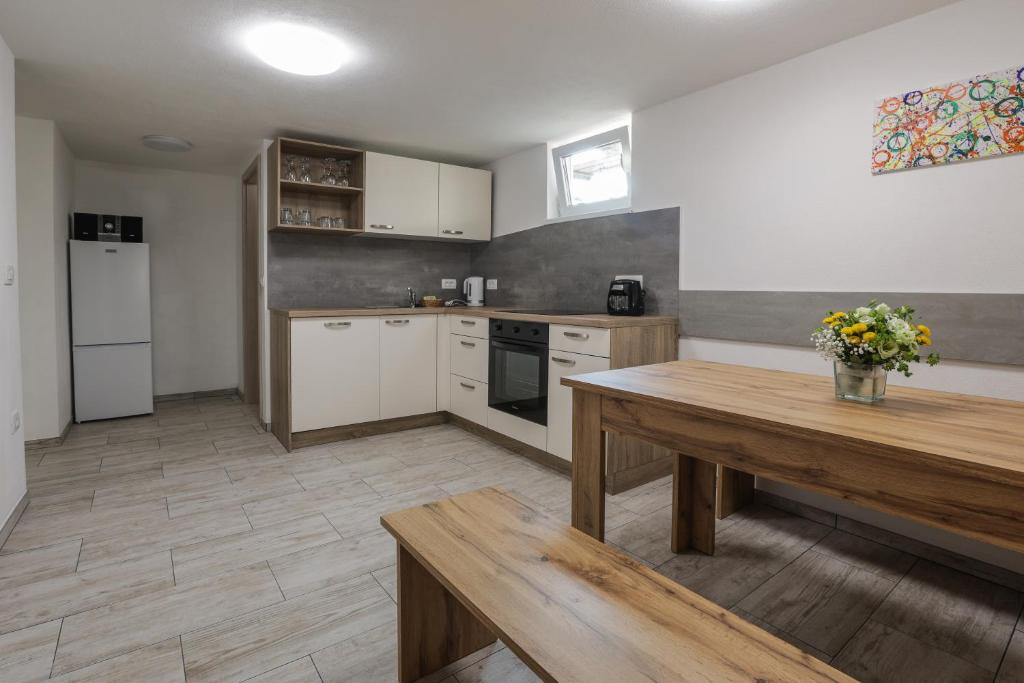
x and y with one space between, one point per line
971 119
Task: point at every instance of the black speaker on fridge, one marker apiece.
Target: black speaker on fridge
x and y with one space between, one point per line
91 227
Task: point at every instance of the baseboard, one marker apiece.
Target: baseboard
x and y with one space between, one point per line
36 444
8 527
514 445
211 393
315 437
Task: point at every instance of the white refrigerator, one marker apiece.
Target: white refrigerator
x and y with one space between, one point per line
110 329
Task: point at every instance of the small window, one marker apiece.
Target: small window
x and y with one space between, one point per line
593 174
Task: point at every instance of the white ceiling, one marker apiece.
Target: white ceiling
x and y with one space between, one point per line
466 81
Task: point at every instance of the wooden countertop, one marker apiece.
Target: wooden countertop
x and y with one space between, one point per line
590 320
931 426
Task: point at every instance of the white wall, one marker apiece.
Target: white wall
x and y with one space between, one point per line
772 174
44 171
12 445
191 221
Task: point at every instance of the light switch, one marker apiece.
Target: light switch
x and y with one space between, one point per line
15 422
492 283
448 283
9 275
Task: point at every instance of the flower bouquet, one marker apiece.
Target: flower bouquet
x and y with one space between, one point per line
867 343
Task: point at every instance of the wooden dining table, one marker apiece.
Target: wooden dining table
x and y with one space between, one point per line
951 461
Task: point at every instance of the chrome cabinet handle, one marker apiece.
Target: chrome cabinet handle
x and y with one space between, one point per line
467 386
382 226
451 232
397 322
577 335
468 322
469 344
335 325
564 361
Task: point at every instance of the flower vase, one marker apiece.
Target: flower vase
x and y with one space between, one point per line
862 383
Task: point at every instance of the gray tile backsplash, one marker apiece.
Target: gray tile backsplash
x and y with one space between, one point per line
561 265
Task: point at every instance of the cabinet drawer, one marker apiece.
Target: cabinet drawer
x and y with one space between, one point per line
469 357
469 399
469 325
593 341
562 364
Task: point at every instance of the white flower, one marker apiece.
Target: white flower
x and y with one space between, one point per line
901 330
883 309
862 312
888 349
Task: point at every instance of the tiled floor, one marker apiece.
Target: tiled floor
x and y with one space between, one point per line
189 544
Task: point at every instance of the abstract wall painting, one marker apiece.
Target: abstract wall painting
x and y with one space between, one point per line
970 119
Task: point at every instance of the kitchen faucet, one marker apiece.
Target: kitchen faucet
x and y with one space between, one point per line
412 297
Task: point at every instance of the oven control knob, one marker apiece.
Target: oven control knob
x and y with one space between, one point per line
515 330
536 332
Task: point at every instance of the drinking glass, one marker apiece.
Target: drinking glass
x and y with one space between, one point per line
287 216
291 171
346 167
329 175
305 172
305 217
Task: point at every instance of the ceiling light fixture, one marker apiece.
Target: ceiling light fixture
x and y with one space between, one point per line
166 143
297 49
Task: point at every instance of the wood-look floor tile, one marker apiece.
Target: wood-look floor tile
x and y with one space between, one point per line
26 655
157 663
954 612
32 459
819 599
866 554
62 471
151 431
207 435
336 562
76 502
299 671
747 554
879 653
1012 668
338 472
218 555
150 490
235 495
38 530
119 628
363 517
648 537
615 516
501 667
165 455
120 544
59 596
96 480
411 478
388 580
277 509
29 566
782 635
74 454
259 641
216 461
236 439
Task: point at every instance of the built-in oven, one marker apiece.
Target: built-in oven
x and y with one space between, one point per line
518 365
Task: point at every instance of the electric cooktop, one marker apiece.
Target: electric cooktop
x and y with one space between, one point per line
554 311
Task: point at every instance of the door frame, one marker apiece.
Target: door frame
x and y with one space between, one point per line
251 366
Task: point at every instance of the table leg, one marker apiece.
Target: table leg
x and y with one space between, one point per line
693 504
588 464
735 490
434 628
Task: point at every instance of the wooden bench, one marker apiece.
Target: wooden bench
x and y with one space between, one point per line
482 565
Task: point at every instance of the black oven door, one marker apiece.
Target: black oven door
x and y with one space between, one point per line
518 380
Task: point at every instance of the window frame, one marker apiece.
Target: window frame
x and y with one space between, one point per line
620 134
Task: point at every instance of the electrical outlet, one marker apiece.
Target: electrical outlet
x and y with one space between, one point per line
448 283
492 283
632 277
15 422
9 275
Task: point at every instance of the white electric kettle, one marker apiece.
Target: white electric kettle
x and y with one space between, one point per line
473 290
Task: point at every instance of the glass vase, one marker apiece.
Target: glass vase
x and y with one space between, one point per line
863 383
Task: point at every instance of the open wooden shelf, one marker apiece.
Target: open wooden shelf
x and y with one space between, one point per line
321 200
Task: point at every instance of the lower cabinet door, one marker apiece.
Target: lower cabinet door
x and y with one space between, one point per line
563 364
469 399
335 365
408 365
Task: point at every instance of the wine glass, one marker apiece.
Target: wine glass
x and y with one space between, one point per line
330 171
346 167
305 171
291 171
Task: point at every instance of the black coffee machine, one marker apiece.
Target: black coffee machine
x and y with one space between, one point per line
626 297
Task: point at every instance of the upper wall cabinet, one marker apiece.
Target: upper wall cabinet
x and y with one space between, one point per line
464 203
401 198
315 188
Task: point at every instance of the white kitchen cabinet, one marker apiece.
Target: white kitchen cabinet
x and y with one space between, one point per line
334 372
564 364
408 365
593 341
469 399
469 357
400 196
464 203
469 325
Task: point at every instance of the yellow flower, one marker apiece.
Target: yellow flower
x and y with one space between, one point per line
923 329
846 330
860 327
828 321
853 340
840 314
869 336
924 341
